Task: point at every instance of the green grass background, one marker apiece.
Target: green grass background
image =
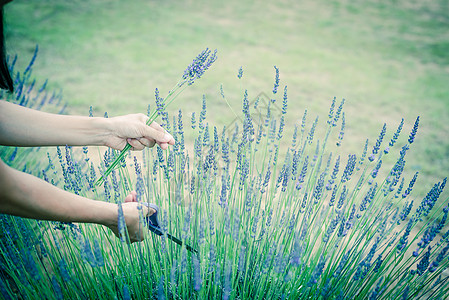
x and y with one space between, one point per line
388 59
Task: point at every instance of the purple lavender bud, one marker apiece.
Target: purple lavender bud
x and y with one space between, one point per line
404 239
396 134
378 263
281 128
227 221
362 158
335 171
212 258
413 132
192 185
254 227
342 130
13 154
284 101
343 195
98 255
227 287
429 201
376 169
56 288
303 173
312 131
423 263
349 223
331 228
193 120
211 224
62 266
242 260
285 179
399 190
379 139
87 254
183 260
126 293
318 191
202 113
410 186
338 112
160 289
368 197
235 227
240 74
318 270
405 293
30 264
197 274
349 168
121 222
331 110
341 264
341 230
334 193
276 81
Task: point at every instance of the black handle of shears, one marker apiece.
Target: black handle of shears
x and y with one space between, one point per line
153 225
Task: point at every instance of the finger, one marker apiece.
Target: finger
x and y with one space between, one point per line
164 146
147 142
132 197
156 132
137 145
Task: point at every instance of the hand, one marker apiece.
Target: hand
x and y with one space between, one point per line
132 129
131 211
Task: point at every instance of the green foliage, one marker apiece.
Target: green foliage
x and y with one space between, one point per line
270 219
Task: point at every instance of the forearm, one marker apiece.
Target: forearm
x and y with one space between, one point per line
27 196
21 126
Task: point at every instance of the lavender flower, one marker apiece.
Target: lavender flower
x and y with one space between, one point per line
318 270
317 193
413 132
56 288
349 168
240 74
198 66
331 110
378 142
338 112
395 137
410 186
121 222
276 81
312 131
342 130
284 101
423 263
342 199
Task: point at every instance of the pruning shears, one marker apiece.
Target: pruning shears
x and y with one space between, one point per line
153 225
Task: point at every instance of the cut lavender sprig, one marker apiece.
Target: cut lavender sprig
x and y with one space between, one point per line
193 72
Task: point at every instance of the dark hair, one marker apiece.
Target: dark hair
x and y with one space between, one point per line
5 77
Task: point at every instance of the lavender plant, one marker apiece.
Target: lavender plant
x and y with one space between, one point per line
270 219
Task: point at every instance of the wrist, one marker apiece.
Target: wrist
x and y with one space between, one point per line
106 214
102 131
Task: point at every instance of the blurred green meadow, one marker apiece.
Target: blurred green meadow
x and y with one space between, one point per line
388 59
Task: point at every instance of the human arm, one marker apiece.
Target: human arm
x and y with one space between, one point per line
27 196
21 126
